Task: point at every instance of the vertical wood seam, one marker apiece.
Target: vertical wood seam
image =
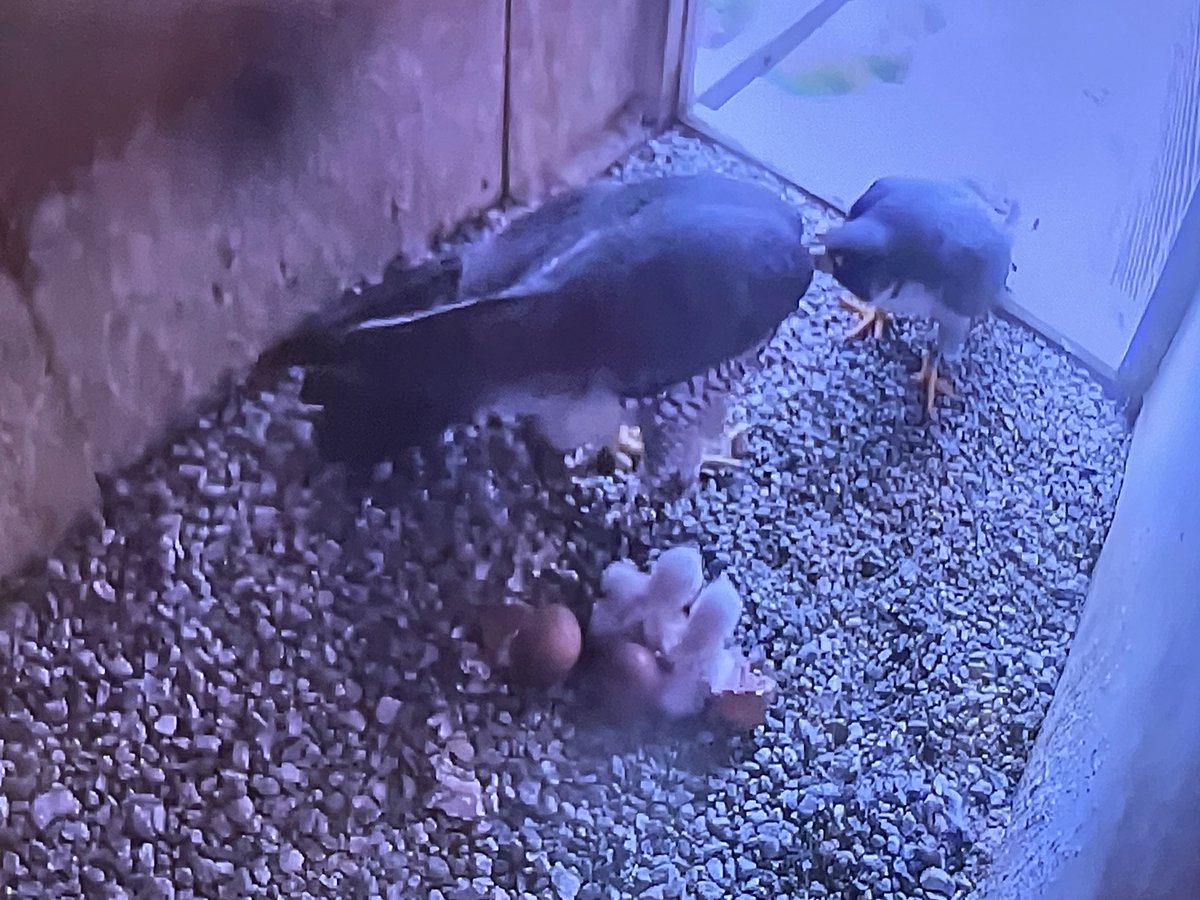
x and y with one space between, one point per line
506 111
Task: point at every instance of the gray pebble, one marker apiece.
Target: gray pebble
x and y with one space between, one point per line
438 869
566 883
386 710
56 803
937 881
291 860
241 811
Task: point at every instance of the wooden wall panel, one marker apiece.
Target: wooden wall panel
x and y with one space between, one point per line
176 194
586 85
182 180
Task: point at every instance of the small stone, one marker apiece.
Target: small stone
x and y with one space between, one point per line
241 811
461 749
147 820
165 724
937 881
528 792
265 785
208 743
386 710
56 803
291 860
55 712
566 882
119 667
290 773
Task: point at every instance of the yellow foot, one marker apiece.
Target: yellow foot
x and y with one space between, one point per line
626 448
932 382
731 454
629 447
870 318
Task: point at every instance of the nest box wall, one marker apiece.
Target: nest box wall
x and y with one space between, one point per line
182 180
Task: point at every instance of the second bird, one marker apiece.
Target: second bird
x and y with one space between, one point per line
919 247
615 304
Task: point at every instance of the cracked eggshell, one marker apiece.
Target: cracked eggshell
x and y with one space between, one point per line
741 691
744 712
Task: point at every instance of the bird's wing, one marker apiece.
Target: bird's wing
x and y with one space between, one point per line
693 278
320 337
501 260
664 295
496 264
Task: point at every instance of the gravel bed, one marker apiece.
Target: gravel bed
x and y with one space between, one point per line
248 678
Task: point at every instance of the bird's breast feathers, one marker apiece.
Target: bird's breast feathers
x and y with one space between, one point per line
567 419
910 298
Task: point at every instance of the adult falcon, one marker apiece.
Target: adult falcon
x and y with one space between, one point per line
618 304
919 247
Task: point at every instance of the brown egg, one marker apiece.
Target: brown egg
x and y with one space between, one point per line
547 646
634 667
497 625
628 680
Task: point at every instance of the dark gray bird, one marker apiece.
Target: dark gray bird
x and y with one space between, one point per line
616 304
918 247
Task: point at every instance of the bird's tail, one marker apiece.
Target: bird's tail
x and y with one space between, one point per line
365 381
402 291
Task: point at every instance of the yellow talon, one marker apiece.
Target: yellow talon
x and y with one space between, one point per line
731 453
871 318
629 447
932 381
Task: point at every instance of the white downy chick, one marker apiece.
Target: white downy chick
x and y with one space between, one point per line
712 620
701 653
675 579
620 605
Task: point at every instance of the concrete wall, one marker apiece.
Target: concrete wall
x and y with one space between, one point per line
181 180
1110 803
